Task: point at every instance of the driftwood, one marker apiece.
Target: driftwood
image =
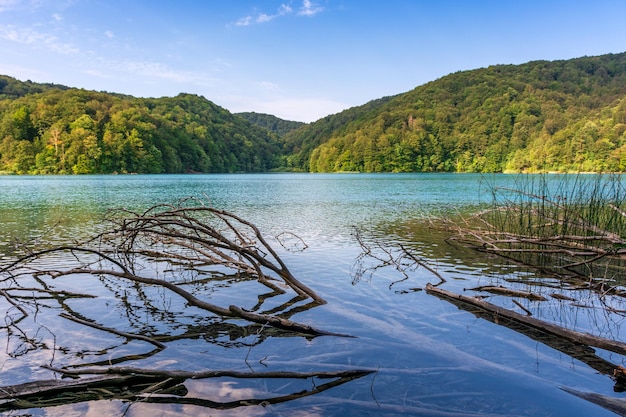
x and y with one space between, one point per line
177 250
114 331
189 239
181 374
497 311
137 384
510 292
376 255
616 405
570 342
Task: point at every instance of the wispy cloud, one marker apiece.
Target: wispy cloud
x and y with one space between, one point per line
303 109
98 73
8 5
283 10
157 70
308 8
27 36
149 71
244 21
269 86
11 5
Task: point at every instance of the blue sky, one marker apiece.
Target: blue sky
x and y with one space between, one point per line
297 59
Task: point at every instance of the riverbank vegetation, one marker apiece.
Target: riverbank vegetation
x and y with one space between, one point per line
569 225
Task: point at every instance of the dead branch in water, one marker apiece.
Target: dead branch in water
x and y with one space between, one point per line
184 239
150 260
497 311
376 255
509 292
153 386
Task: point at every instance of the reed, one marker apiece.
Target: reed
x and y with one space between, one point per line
568 224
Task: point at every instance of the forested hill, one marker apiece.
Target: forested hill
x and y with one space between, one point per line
50 129
272 123
567 115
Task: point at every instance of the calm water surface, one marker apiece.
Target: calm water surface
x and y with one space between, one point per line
431 357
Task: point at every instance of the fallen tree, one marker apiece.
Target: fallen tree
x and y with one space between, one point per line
170 255
154 386
499 313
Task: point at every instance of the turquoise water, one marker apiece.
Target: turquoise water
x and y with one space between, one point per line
431 358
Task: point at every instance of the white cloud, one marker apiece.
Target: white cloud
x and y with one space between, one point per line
24 72
283 10
98 73
8 4
57 17
151 71
269 86
244 21
309 8
36 39
157 70
262 18
109 34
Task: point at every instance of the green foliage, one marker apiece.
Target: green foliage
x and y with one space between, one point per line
49 130
562 116
541 116
275 125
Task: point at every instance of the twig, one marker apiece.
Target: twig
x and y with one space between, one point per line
114 331
517 303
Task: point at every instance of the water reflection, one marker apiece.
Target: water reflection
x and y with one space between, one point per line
431 357
194 395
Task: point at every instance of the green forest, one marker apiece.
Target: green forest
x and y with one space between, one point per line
541 116
561 116
48 129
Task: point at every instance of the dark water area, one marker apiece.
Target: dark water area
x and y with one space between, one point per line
430 357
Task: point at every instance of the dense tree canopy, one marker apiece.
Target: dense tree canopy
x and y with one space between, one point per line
565 115
555 116
272 123
49 130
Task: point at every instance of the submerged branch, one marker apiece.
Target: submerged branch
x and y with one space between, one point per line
180 374
114 331
497 311
154 386
147 261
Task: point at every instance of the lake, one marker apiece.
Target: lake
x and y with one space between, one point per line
430 358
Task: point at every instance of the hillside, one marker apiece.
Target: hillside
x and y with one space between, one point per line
272 123
567 115
48 129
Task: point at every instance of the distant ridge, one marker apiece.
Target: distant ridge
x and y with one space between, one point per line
272 123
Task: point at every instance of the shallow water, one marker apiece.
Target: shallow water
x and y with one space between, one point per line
430 357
